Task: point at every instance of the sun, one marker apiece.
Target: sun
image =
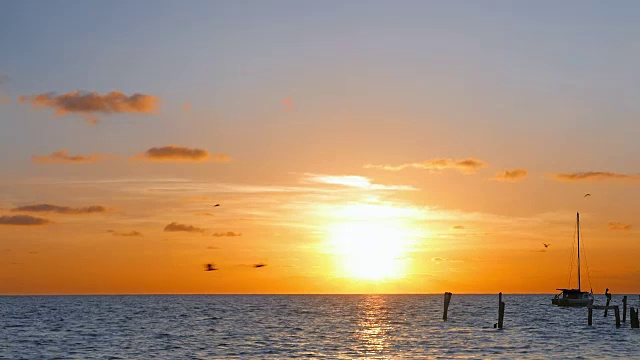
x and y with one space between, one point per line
369 244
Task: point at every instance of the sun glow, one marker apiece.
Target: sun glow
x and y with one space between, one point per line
371 242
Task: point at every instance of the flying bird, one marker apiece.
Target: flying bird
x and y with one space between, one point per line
546 245
586 195
216 205
210 267
259 265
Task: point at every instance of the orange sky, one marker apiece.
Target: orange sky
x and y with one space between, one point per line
390 151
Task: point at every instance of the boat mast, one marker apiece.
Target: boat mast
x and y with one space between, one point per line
578 224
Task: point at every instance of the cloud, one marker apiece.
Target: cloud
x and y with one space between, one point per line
594 176
22 220
441 260
511 175
127 234
228 233
465 166
459 227
175 227
88 104
181 153
64 157
352 181
61 209
614 226
288 104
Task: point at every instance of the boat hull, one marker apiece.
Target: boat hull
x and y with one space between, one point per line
572 302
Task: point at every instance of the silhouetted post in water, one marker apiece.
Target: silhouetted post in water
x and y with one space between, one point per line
447 299
500 312
634 318
616 309
590 316
606 309
624 309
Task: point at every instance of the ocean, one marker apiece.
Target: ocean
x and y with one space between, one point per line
306 326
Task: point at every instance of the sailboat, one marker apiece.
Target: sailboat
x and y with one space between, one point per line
574 297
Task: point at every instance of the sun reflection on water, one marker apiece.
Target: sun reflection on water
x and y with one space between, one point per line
373 332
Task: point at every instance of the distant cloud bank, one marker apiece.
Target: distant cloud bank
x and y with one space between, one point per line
23 220
228 234
594 176
177 227
61 209
466 166
89 104
65 157
511 175
181 153
126 234
617 226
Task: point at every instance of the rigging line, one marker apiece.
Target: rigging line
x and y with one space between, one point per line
573 246
584 253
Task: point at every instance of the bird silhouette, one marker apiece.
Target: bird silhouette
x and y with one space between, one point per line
216 205
586 195
210 267
259 265
546 245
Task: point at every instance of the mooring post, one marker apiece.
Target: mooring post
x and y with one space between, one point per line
616 309
590 316
500 312
606 310
624 309
447 299
634 318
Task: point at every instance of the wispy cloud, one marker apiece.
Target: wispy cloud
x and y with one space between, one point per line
288 105
595 176
442 259
61 209
459 227
228 234
24 220
126 234
465 166
181 153
511 175
616 226
176 227
65 157
89 104
352 181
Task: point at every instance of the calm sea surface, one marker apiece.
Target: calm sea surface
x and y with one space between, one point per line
305 326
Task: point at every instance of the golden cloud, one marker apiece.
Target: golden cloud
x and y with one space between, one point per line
88 104
511 175
127 234
65 157
459 227
594 176
175 227
181 153
24 220
467 166
619 226
61 209
228 233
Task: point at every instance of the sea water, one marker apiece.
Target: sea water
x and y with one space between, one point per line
306 326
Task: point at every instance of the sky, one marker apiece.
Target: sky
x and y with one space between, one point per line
353 147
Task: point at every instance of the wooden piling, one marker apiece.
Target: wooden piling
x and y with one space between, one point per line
447 299
606 310
634 318
624 309
590 316
616 309
500 313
